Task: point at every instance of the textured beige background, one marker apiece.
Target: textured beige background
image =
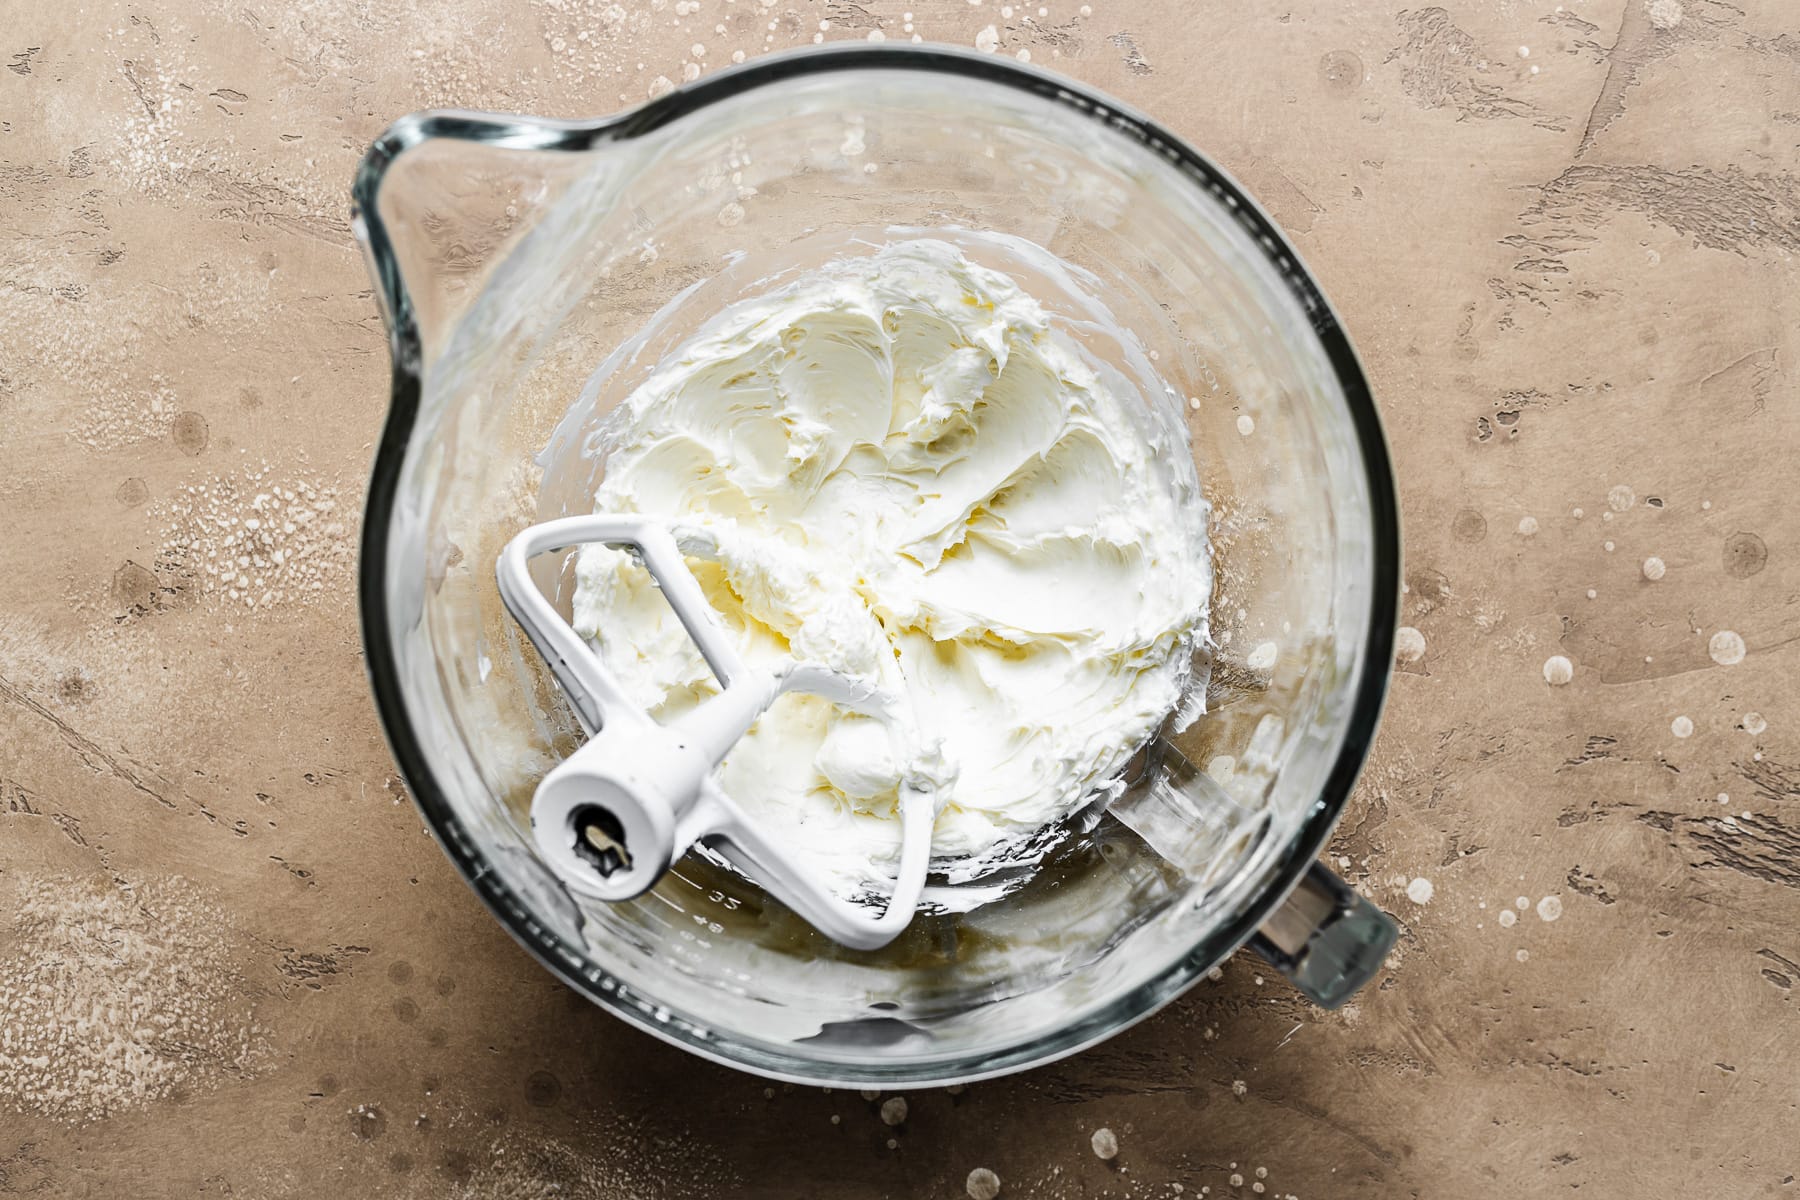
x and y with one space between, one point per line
231 962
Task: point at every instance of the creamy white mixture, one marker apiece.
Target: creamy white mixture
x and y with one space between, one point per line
915 478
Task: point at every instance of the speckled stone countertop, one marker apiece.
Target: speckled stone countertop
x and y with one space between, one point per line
1564 238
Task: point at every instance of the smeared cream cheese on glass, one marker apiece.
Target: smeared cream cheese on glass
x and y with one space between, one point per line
915 477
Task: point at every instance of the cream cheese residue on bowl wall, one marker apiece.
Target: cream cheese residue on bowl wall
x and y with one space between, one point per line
914 475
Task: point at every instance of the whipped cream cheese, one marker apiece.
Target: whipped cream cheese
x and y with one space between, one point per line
913 476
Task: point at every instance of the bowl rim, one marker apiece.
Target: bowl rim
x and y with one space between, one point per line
379 635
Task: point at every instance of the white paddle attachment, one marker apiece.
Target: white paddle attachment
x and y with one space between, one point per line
612 817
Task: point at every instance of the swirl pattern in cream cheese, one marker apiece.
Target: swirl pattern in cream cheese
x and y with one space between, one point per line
916 477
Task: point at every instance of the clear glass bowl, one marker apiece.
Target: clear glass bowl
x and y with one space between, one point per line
520 262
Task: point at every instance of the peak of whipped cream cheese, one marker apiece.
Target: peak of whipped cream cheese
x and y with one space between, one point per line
913 476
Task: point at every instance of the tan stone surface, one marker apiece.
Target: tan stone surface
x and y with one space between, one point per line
232 963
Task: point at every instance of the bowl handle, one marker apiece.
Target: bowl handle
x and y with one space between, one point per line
1325 938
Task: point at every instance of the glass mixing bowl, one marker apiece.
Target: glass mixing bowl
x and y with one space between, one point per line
531 271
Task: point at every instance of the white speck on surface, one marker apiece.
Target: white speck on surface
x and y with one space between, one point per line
1558 670
1654 568
1609 547
1727 648
731 214
1508 918
1409 644
1724 797
118 994
1419 891
1524 51
988 40
297 548
893 1110
1578 514
1681 727
1522 955
1592 594
1534 69
1263 657
1194 403
1705 505
1664 14
1246 424
982 1184
1620 498
875 35
1239 1088
1523 902
1528 525
1105 1143
1023 55
1754 724
1549 908
870 1094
